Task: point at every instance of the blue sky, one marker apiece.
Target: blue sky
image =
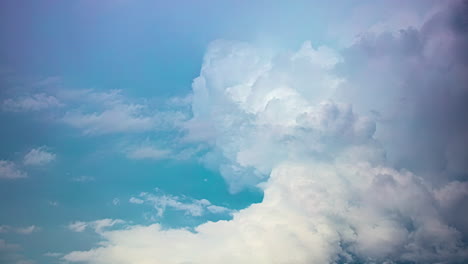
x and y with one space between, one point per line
251 131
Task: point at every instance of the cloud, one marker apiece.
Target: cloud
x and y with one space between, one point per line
135 200
98 225
27 230
415 81
260 110
99 113
77 226
9 170
120 118
148 152
39 156
35 102
359 154
193 207
53 203
311 213
83 179
53 254
9 253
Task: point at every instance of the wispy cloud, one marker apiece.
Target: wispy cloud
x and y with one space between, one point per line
97 226
148 152
189 206
35 102
83 178
19 230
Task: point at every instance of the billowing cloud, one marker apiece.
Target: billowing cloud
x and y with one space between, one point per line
39 156
9 170
311 213
360 154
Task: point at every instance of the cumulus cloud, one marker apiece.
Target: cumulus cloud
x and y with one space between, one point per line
359 154
9 170
35 102
311 213
39 156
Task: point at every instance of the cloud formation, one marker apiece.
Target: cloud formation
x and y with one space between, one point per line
98 225
9 170
148 152
110 112
38 156
361 154
193 207
20 230
35 102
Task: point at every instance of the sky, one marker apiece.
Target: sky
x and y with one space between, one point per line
203 132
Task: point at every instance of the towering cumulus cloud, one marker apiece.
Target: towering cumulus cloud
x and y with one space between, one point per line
361 154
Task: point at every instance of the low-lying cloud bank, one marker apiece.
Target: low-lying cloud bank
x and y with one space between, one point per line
361 155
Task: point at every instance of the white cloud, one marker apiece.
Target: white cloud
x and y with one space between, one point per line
9 170
136 200
116 201
193 207
98 225
309 211
99 113
317 142
53 254
39 156
77 226
119 118
27 230
35 102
